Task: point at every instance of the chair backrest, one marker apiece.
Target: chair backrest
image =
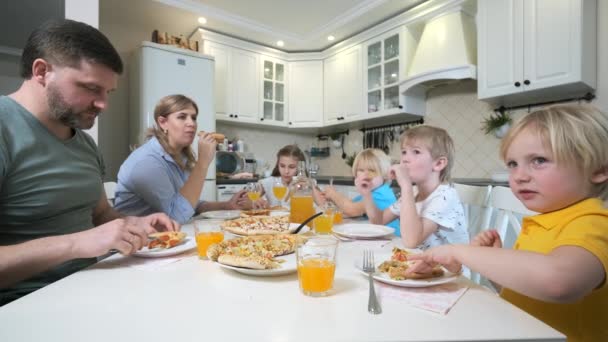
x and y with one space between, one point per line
110 189
475 200
506 214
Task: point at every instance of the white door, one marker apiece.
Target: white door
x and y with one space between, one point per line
245 85
500 47
332 71
552 42
352 83
222 77
306 94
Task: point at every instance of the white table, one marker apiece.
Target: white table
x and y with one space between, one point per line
195 300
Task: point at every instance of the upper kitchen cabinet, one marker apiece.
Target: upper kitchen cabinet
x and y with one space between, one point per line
274 91
536 48
385 65
237 83
305 94
343 81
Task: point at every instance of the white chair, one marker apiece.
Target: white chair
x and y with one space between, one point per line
474 200
110 189
504 213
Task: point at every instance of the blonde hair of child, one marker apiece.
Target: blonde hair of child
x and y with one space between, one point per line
437 141
375 159
576 135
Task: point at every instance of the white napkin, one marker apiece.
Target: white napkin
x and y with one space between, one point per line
439 298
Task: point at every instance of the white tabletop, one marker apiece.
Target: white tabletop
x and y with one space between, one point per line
196 300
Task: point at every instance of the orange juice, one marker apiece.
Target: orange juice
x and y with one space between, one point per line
301 209
206 239
316 275
323 224
337 217
253 196
279 192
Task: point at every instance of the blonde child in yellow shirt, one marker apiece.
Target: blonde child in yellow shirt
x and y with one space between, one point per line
558 166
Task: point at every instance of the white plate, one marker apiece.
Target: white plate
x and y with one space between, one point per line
222 214
279 213
362 230
292 228
384 277
186 245
287 267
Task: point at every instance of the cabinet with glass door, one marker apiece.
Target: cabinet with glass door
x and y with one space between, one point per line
274 92
384 69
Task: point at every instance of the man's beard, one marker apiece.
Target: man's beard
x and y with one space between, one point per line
60 110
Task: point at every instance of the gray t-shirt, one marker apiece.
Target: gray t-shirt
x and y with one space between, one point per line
48 187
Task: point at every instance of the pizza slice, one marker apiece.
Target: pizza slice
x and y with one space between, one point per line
255 252
166 239
397 266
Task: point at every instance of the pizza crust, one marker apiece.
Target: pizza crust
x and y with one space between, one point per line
253 262
255 252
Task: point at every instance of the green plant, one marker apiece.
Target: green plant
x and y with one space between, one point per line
495 121
350 159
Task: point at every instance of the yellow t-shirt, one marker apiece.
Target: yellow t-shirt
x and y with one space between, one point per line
584 224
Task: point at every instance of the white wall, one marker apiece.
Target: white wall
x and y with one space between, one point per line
86 11
602 56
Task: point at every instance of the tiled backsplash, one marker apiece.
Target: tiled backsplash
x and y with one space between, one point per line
454 107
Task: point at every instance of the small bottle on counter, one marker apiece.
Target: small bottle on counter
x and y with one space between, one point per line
230 148
240 146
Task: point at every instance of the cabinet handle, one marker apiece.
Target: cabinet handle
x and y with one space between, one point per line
517 84
261 119
231 115
290 123
400 107
526 82
236 115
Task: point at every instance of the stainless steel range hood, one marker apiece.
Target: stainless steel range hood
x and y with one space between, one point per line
446 52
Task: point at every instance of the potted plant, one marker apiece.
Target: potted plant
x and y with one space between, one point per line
498 123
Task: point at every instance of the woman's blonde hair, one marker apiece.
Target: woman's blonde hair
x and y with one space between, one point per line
438 142
375 159
576 134
168 105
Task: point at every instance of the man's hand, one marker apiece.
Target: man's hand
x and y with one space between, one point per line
487 238
239 201
444 255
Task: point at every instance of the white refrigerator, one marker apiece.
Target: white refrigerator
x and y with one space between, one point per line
158 70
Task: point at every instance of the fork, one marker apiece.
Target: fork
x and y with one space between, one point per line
373 306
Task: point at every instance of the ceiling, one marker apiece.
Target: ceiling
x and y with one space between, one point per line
301 25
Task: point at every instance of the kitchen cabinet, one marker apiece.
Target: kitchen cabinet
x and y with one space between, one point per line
305 94
237 83
343 86
273 91
384 68
534 45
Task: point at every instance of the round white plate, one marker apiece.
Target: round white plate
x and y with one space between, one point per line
362 230
279 213
384 277
222 214
292 228
287 267
186 245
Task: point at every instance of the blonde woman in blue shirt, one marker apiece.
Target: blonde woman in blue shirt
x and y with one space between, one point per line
163 174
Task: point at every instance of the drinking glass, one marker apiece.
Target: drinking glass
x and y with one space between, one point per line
279 189
206 234
324 222
316 260
337 213
254 191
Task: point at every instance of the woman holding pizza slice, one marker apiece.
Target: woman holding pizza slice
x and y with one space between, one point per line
163 174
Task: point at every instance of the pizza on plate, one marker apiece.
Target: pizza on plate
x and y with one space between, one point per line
255 252
257 225
165 239
255 212
397 266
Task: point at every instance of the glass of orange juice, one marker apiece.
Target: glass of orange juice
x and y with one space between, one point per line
279 189
206 234
254 191
316 260
332 207
324 222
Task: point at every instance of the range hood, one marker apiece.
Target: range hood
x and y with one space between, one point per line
446 52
